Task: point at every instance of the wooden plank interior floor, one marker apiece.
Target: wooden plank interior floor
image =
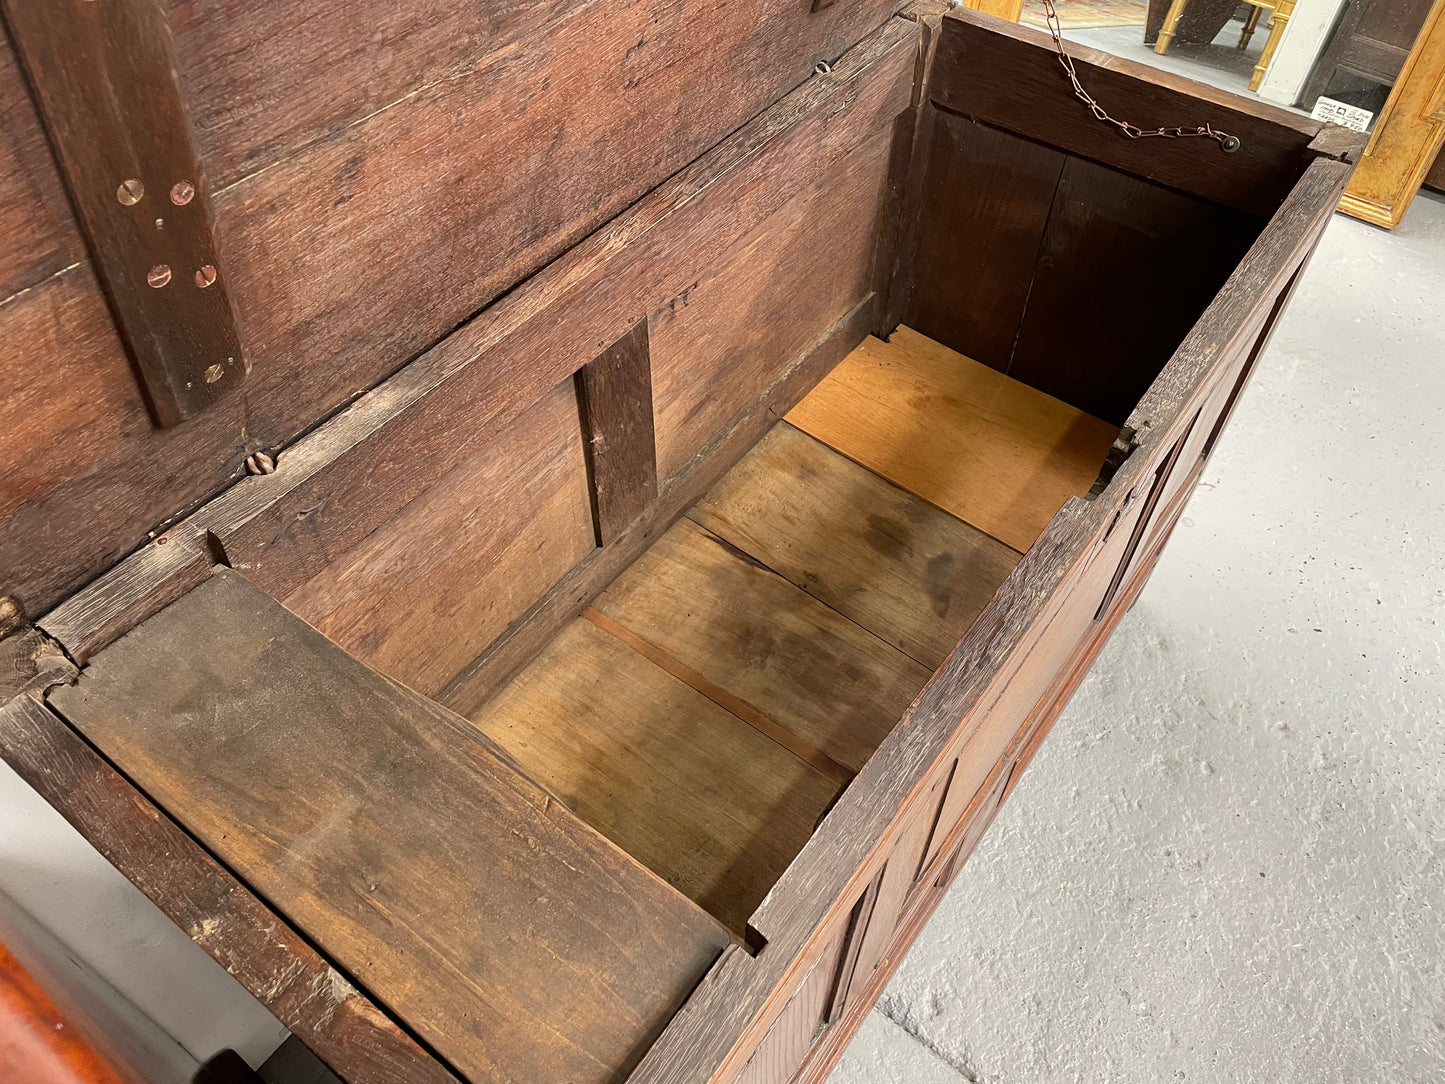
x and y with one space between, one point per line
708 708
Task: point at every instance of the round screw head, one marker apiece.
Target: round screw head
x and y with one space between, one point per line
182 192
214 373
159 275
205 276
130 191
1230 144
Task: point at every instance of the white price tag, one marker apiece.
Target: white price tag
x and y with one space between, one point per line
1350 116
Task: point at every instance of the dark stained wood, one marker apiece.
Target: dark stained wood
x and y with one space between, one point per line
717 1029
351 474
713 806
364 814
30 660
264 953
250 69
907 571
129 480
1009 76
614 400
766 642
104 75
913 137
425 592
1125 269
985 200
37 235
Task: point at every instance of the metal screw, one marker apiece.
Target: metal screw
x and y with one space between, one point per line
822 68
260 463
12 615
182 192
159 275
214 373
130 191
1230 144
205 276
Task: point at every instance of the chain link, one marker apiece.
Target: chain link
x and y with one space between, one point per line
1228 142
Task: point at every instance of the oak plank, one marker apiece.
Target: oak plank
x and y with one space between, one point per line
694 793
734 328
905 570
105 79
994 452
985 202
38 236
1008 76
365 814
1113 237
765 641
354 471
526 636
614 400
422 595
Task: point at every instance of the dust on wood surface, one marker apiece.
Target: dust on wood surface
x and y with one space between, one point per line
512 937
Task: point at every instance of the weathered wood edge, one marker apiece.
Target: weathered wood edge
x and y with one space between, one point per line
913 140
255 945
255 509
711 1035
1084 55
953 854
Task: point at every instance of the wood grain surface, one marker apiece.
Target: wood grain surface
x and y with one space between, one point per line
614 401
985 201
101 455
1125 268
714 807
425 592
365 814
991 450
762 639
105 78
910 573
1008 76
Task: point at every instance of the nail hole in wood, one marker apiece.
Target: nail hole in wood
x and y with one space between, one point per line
130 191
159 275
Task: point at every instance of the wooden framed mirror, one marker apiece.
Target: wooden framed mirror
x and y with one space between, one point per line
1408 134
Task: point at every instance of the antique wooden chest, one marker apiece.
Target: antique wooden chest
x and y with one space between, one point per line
541 536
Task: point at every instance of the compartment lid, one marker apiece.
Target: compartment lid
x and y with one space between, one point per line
507 934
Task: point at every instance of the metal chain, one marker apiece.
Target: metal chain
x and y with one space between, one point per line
1229 143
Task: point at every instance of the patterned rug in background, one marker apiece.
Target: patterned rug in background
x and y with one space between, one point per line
1081 14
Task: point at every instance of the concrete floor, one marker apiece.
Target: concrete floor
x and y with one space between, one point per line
1227 863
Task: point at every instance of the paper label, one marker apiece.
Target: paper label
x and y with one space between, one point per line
1349 116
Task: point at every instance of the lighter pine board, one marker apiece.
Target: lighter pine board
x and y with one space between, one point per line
813 674
994 452
688 789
